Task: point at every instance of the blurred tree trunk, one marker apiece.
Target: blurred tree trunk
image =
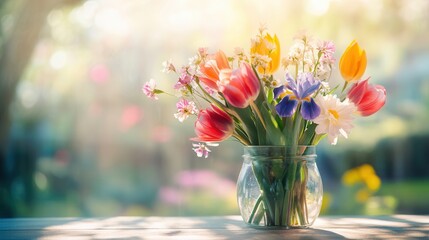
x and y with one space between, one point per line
16 52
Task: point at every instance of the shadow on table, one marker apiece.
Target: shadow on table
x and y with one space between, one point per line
233 227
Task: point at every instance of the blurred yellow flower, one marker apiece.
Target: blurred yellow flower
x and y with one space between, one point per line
353 62
366 171
265 51
365 176
326 202
362 195
373 182
350 177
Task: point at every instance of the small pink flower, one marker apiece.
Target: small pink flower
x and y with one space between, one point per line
201 149
327 48
367 98
184 80
149 89
239 87
213 125
202 51
184 109
168 66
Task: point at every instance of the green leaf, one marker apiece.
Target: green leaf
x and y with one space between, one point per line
274 133
307 137
245 116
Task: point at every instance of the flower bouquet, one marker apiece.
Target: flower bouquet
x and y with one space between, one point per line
278 120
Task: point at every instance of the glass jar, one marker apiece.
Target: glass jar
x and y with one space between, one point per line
279 186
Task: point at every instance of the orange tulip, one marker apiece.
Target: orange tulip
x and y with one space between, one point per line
211 68
353 62
270 47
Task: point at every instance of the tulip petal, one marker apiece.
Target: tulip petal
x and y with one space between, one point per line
310 110
373 101
235 96
357 91
213 125
286 107
221 60
249 80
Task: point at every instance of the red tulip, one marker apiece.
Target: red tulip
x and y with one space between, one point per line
239 87
367 98
213 125
211 67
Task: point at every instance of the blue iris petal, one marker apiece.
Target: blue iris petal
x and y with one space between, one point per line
310 89
286 107
309 110
291 84
279 90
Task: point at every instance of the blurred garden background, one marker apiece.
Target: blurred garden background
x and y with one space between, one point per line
79 138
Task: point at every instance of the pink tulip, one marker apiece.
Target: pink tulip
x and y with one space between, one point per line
239 87
211 67
367 98
213 125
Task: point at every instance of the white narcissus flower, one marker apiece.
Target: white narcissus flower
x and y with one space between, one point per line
335 117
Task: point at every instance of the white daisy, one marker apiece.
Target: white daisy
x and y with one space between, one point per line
335 117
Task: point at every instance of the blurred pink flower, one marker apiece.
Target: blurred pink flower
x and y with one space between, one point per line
131 115
161 134
99 73
195 178
170 195
208 180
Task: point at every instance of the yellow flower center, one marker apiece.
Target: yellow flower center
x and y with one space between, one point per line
334 113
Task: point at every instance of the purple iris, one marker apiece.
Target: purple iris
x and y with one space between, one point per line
301 89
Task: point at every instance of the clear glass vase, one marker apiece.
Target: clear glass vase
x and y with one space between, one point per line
279 186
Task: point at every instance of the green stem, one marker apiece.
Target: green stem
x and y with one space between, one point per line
258 113
241 139
255 208
345 86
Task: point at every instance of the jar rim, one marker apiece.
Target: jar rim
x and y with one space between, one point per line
277 146
280 151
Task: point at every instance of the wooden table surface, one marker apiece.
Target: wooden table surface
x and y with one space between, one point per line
227 227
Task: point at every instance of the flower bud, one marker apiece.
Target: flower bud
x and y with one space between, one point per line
353 62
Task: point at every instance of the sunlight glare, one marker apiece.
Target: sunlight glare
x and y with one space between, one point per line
317 7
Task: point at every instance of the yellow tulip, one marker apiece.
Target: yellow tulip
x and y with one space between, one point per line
353 62
270 47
